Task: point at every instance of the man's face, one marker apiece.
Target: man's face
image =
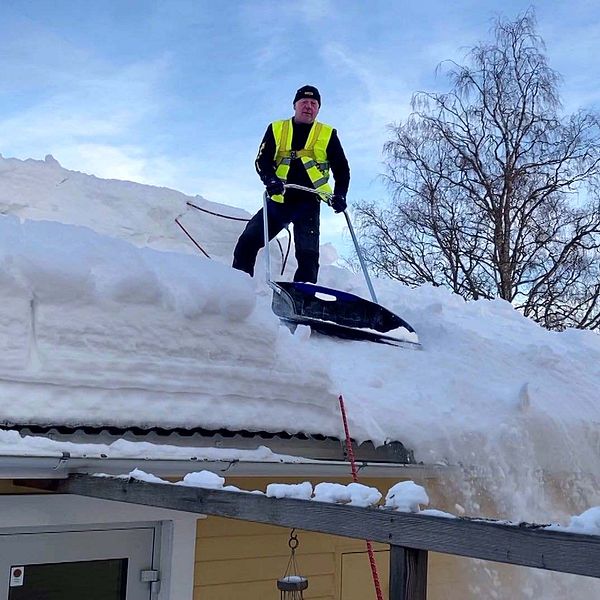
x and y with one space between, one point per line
306 110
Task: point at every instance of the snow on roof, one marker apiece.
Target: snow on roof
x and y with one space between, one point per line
111 317
14 444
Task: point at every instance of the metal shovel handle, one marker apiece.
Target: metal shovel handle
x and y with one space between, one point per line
363 265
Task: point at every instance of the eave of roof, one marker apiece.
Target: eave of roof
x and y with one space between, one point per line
59 467
314 447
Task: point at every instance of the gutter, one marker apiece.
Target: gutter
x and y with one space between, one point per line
60 467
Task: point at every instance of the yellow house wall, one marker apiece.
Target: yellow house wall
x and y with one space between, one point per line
239 559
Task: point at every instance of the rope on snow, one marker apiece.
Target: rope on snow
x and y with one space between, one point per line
284 258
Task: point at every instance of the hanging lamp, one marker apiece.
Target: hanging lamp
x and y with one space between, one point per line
291 585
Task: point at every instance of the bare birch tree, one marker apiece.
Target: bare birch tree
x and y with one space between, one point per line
494 192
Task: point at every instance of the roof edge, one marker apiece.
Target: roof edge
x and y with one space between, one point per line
60 467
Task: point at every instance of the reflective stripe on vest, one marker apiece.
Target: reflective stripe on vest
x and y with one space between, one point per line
313 155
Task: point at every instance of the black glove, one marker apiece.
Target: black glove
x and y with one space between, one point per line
338 203
274 186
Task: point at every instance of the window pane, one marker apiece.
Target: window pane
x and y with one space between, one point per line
92 580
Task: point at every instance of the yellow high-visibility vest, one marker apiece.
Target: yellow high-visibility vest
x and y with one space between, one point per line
313 155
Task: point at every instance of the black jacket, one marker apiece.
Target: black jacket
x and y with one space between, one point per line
338 164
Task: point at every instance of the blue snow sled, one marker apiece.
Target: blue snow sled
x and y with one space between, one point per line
334 312
339 314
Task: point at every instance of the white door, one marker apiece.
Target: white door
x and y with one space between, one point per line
76 565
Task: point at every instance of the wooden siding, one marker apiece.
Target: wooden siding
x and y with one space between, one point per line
239 559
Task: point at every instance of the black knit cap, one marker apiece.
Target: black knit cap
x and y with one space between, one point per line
308 91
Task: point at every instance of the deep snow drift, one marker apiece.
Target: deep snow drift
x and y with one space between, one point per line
112 316
127 334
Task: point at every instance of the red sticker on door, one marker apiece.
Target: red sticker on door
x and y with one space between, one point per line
16 576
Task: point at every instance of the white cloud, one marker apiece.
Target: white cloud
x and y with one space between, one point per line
98 116
375 100
109 162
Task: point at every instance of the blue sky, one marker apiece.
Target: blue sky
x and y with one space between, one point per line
178 93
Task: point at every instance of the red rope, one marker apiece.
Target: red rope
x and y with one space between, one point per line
350 451
191 238
216 214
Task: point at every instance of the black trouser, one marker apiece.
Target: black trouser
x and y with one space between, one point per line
304 214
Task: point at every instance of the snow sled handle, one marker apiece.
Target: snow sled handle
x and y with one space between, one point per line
363 265
334 312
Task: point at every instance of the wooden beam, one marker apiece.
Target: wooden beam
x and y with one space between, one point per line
408 573
525 545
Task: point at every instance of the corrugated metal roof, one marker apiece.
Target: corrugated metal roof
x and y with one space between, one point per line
308 446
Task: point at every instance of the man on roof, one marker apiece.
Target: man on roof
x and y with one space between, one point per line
300 151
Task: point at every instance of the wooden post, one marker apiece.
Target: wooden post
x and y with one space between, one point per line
408 573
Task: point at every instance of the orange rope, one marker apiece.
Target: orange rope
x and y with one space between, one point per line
350 451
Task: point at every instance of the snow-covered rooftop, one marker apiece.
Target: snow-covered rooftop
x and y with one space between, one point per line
112 317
